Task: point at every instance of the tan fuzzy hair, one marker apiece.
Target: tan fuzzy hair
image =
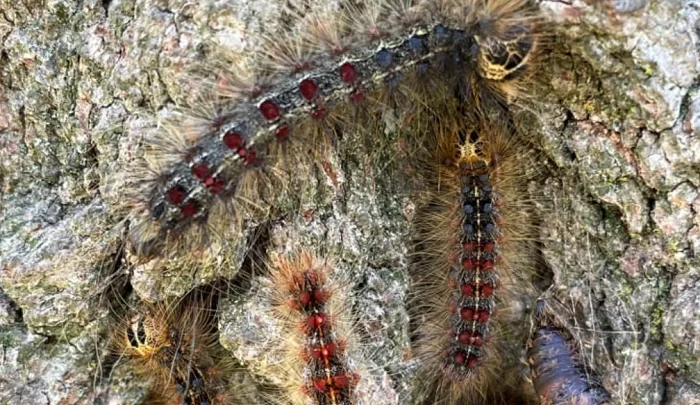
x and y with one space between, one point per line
167 344
455 143
290 276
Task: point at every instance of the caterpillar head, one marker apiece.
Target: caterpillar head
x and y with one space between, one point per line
505 48
145 335
471 151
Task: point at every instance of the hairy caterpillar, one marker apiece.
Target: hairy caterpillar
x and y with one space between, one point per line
317 360
558 371
474 263
177 350
314 83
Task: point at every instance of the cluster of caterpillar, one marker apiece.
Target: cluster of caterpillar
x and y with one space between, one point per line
176 349
473 263
347 66
559 373
344 66
317 332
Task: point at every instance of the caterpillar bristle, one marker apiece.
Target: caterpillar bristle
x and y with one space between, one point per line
474 262
558 371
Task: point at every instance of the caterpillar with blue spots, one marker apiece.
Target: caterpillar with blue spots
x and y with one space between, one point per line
338 71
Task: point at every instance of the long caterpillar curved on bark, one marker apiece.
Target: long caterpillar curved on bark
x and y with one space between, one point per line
474 262
394 52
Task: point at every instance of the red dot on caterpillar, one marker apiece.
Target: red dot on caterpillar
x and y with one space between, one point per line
318 113
200 170
269 110
484 316
316 320
232 140
282 132
460 357
215 185
308 89
321 296
175 195
348 73
487 290
189 209
305 298
452 307
472 362
486 265
357 96
468 289
468 264
327 350
320 384
341 381
466 314
453 284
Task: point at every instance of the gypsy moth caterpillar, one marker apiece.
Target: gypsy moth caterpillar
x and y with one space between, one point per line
384 53
558 370
316 339
176 349
268 331
474 260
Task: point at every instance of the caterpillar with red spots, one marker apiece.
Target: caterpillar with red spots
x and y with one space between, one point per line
338 68
176 349
559 373
473 264
317 334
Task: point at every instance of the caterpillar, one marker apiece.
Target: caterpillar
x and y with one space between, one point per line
317 358
473 263
339 66
176 349
297 328
558 370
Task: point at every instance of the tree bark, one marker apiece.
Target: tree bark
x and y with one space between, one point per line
618 125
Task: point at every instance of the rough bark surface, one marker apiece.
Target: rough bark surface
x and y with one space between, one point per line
619 127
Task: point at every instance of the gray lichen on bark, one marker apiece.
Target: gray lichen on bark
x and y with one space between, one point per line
83 82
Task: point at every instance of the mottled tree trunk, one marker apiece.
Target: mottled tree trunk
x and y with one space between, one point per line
618 125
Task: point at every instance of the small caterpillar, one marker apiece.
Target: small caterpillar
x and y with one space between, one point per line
316 345
474 258
481 49
558 371
178 352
